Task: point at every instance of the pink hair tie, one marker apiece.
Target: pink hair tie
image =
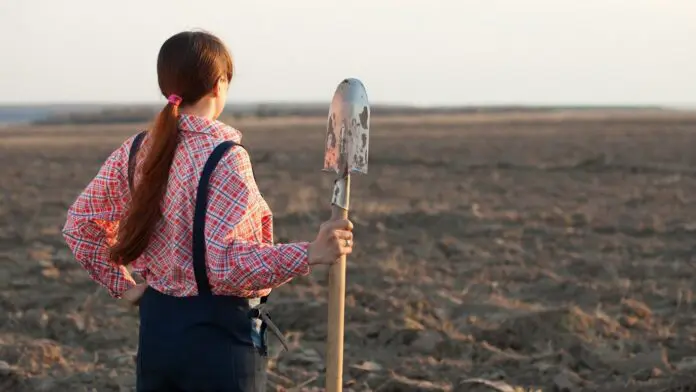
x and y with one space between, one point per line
174 99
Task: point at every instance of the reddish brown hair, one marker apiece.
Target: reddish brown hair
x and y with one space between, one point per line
189 65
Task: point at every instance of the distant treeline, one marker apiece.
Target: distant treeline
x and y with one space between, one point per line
104 116
145 113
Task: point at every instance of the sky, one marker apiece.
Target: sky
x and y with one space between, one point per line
435 52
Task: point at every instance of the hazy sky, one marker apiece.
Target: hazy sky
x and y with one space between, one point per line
416 52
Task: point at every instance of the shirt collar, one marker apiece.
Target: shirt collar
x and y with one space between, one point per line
218 129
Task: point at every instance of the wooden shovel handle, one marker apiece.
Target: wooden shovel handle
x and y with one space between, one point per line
337 296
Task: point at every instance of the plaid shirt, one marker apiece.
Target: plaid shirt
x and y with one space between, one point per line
240 255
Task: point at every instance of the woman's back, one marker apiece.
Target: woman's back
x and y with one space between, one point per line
238 220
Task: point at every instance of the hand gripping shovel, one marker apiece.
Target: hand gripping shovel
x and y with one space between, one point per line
347 141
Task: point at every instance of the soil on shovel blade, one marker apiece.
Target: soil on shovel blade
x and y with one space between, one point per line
543 252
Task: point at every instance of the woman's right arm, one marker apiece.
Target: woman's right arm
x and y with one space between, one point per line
235 209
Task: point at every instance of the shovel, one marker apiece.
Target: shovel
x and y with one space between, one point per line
346 151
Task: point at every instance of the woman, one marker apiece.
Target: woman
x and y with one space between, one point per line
185 212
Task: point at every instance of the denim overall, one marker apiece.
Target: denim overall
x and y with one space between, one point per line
205 342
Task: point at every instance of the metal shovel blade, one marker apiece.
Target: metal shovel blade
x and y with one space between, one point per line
348 129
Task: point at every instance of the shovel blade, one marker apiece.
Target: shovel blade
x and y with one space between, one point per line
348 129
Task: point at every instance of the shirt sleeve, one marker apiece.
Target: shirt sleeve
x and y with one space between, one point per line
236 259
92 224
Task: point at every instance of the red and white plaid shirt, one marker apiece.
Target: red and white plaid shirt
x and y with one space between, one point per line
240 255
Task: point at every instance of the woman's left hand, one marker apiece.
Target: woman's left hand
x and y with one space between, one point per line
133 294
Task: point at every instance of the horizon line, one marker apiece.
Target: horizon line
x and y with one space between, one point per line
654 105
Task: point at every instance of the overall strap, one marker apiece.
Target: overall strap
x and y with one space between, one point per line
199 267
131 157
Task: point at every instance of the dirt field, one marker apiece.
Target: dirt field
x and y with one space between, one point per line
551 252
